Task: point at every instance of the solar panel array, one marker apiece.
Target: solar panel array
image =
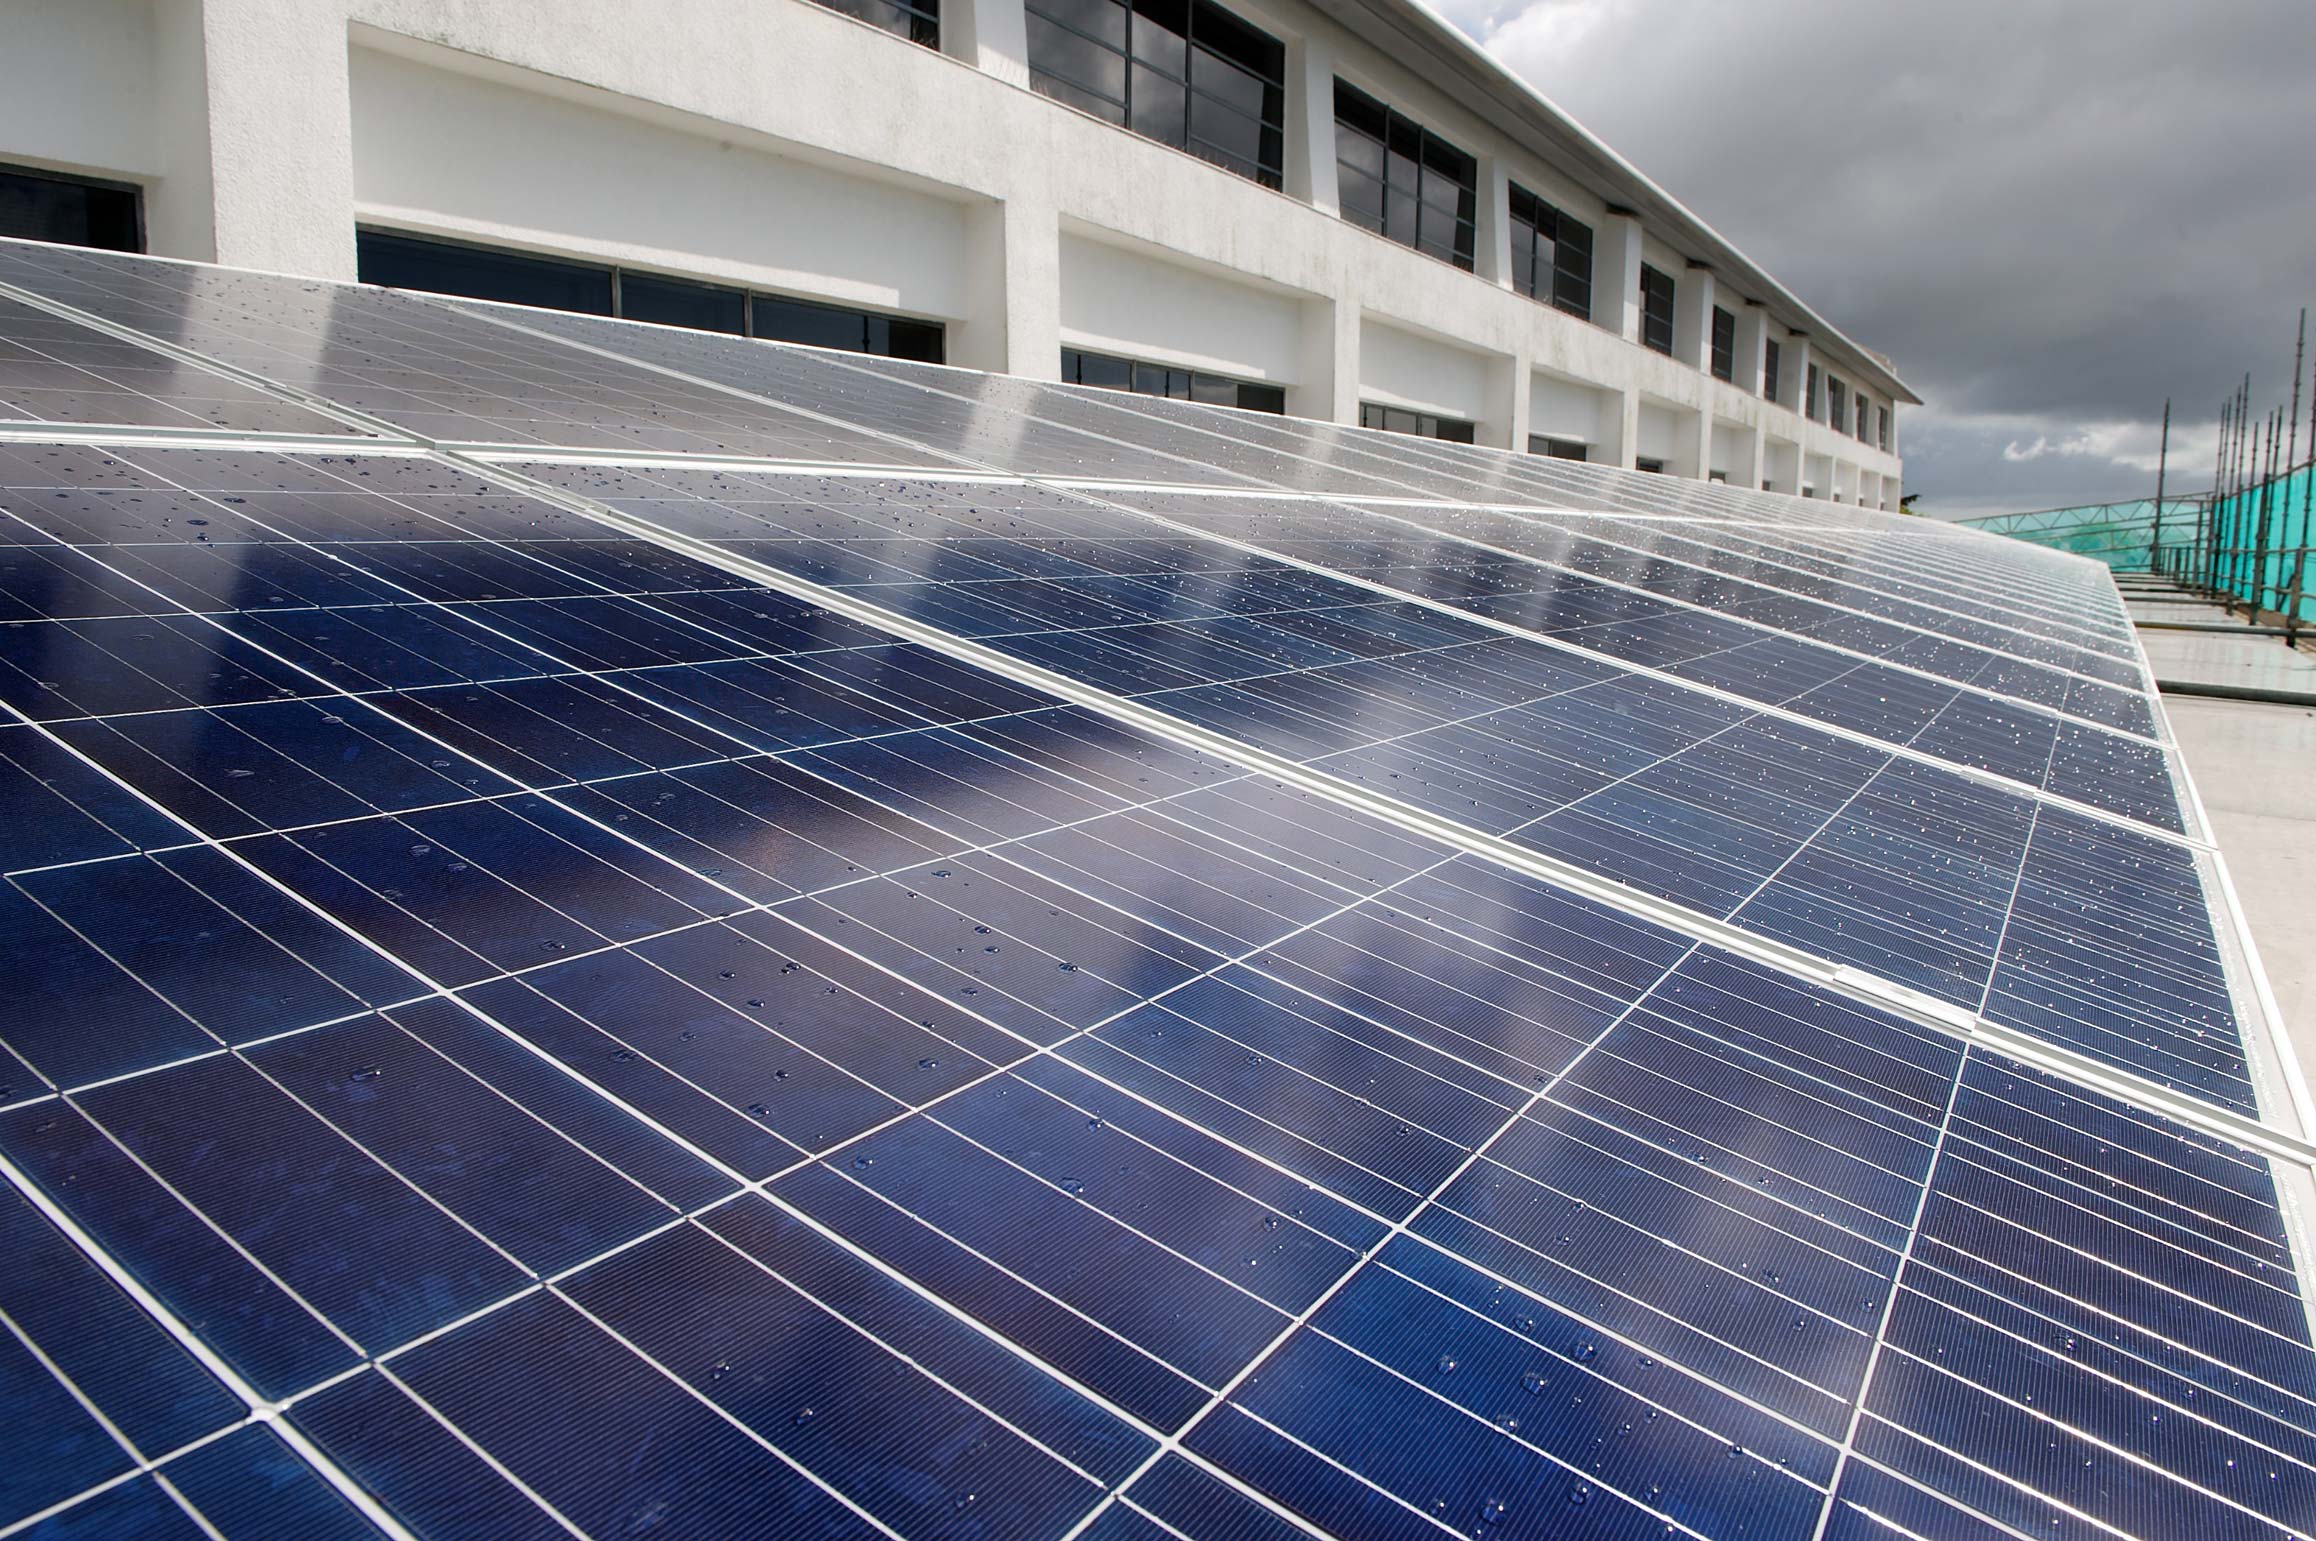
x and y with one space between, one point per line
624 932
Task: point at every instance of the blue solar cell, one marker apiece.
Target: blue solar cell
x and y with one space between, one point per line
942 1108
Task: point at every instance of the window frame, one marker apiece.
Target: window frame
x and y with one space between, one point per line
1266 167
912 21
1722 355
134 193
1771 358
1074 360
1653 324
931 335
1376 415
1570 241
1398 139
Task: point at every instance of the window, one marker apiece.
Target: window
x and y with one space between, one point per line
1644 463
71 211
1422 424
917 20
596 289
1118 374
1401 181
1809 396
1551 255
855 331
1861 428
1182 72
480 273
1836 402
1724 344
1882 428
1769 363
1558 449
1656 292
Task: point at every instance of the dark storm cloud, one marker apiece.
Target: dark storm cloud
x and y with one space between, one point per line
2050 213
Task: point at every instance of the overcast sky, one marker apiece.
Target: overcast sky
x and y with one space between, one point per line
2050 213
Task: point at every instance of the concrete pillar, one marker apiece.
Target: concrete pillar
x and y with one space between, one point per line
990 35
1752 346
1492 258
1329 385
1511 379
1692 443
1619 438
1693 318
1012 289
256 136
1782 462
1747 472
1616 265
1310 163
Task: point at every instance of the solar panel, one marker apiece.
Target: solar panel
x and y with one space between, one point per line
691 937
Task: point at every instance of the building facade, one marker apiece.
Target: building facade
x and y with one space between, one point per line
1339 209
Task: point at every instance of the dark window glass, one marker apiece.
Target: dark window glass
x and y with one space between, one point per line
1558 449
1551 254
478 273
35 206
1422 424
1836 403
1769 363
1809 396
1644 463
820 326
1082 368
917 20
1656 309
1401 181
1882 427
674 302
1183 72
1861 424
1724 344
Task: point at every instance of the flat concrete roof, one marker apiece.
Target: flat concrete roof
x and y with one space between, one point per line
2254 766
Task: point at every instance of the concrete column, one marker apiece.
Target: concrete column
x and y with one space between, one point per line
256 132
1310 164
1329 386
990 35
1693 318
1619 438
1013 289
1492 260
1747 471
1752 346
1782 467
1511 377
1616 265
1692 443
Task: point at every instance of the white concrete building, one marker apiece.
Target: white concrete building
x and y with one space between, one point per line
955 179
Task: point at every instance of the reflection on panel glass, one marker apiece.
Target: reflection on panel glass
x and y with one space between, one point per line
917 20
597 289
1373 414
1402 181
1118 374
1183 72
71 211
